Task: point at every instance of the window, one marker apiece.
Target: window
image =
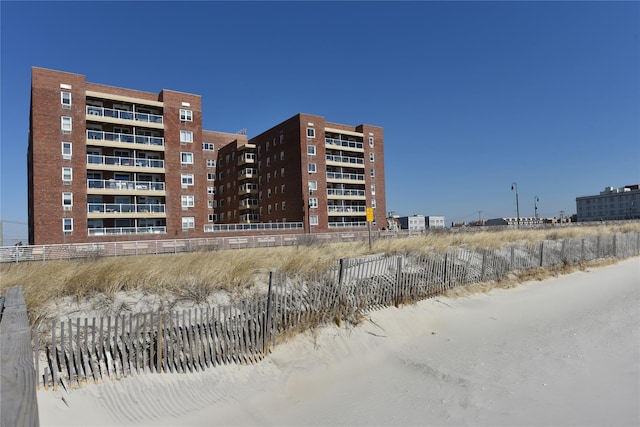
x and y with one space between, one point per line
269 177
373 189
186 115
282 155
269 193
67 225
371 158
211 177
312 168
67 175
276 207
371 141
269 209
188 201
208 146
311 133
268 161
188 222
187 178
211 204
313 220
373 203
313 202
66 124
67 201
372 172
211 217
211 163
284 206
186 158
66 150
186 136
311 150
282 172
211 190
65 99
313 185
282 188
281 137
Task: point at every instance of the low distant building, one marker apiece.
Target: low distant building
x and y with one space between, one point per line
525 220
412 223
610 205
434 221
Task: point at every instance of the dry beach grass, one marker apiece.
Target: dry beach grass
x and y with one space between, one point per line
196 276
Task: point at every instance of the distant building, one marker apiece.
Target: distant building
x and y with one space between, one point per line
610 204
436 221
412 223
526 221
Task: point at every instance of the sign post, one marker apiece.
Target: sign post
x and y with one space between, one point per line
369 221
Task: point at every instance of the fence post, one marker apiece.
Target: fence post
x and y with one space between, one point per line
484 266
615 249
267 321
159 342
340 278
399 280
542 253
513 257
598 247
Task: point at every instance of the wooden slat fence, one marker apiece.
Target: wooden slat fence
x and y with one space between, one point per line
78 351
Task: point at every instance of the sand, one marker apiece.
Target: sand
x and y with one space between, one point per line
564 351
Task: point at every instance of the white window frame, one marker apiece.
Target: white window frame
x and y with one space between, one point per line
373 189
371 158
66 124
282 155
312 168
311 133
311 150
208 146
67 200
210 204
67 172
211 163
211 176
313 220
313 185
372 173
284 206
188 222
186 136
371 142
186 158
65 99
188 201
66 155
67 225
313 203
186 178
211 217
373 203
186 115
211 190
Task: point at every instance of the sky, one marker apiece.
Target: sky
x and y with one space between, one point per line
472 96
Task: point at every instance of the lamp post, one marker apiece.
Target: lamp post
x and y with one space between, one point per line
535 203
514 186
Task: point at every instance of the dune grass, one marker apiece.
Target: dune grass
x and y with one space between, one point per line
195 276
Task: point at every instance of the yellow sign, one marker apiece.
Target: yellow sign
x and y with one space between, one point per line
369 214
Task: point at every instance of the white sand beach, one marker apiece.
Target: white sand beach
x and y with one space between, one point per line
564 351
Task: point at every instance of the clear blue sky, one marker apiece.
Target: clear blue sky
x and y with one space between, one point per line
471 96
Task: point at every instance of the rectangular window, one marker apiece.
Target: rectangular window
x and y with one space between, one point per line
66 124
282 172
313 202
211 163
67 201
210 204
65 99
269 193
211 177
313 185
188 222
282 188
188 201
211 190
187 178
211 217
313 220
371 158
67 225
373 203
66 150
186 136
186 115
284 206
207 146
312 168
373 189
311 133
371 141
282 155
311 150
186 158
372 172
67 175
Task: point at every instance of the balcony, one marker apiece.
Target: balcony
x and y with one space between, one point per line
344 160
246 158
248 203
345 177
347 224
126 230
124 209
344 144
96 161
347 210
122 116
248 188
339 193
118 139
247 173
111 186
247 218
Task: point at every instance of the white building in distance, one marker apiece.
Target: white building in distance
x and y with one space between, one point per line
610 205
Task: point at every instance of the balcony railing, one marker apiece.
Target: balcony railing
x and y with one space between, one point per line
248 203
345 176
347 209
96 159
347 224
124 115
127 230
123 208
249 217
114 184
247 173
97 135
343 192
246 158
248 188
344 143
345 159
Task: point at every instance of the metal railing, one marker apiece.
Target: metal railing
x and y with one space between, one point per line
124 208
124 115
98 135
347 209
96 159
345 176
344 143
345 192
126 230
345 159
347 224
114 184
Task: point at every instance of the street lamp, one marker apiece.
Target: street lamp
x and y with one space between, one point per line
514 186
535 202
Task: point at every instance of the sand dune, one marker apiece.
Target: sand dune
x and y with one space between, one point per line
565 351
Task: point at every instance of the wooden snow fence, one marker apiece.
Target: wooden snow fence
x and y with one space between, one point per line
75 352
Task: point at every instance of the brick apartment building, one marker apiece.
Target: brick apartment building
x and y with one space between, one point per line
108 164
